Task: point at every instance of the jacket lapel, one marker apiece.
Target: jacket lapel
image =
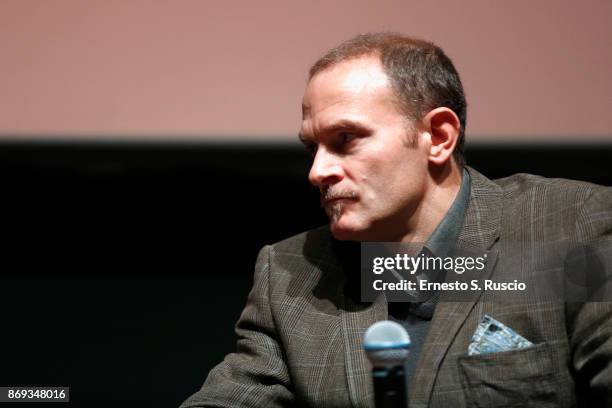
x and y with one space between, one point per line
480 230
356 318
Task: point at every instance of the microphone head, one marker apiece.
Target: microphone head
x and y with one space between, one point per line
386 343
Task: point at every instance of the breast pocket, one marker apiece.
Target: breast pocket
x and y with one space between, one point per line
515 378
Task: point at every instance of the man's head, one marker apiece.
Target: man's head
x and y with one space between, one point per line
421 75
382 138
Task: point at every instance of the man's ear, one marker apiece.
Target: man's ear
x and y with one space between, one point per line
443 126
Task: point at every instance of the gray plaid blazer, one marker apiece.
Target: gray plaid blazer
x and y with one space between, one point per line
300 334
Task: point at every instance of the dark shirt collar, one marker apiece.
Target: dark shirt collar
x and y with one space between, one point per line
441 243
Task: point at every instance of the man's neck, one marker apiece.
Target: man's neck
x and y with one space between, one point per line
439 197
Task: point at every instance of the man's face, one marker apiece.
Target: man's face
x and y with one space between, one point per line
370 167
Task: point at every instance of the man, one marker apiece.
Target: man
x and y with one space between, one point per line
384 116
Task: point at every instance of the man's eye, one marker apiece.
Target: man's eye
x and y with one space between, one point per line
347 137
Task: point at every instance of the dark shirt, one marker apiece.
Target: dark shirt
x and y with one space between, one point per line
416 317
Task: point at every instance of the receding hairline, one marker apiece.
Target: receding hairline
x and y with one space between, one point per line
375 48
374 54
367 44
377 72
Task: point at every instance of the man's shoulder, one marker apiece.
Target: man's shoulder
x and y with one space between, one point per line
317 247
319 237
524 182
310 265
554 192
550 208
520 186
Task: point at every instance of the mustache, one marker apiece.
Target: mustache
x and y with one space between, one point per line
328 194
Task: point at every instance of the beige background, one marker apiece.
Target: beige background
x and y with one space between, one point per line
226 69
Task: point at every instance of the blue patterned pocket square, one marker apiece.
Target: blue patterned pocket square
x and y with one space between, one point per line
492 336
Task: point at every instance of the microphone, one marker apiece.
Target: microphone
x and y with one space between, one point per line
387 345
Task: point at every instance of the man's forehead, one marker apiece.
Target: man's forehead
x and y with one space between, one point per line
345 82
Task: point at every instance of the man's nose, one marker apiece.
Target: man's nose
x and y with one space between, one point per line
326 169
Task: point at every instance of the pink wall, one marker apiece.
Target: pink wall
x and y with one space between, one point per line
201 68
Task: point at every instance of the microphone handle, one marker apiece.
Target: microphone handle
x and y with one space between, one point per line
389 387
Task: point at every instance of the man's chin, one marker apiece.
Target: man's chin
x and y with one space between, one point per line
345 232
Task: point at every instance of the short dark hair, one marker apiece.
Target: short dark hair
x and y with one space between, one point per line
422 76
